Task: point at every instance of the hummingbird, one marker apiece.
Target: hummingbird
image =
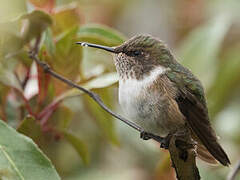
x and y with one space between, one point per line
162 96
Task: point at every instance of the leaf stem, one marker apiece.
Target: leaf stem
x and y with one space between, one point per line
26 102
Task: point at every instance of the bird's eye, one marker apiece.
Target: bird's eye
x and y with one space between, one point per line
137 52
134 53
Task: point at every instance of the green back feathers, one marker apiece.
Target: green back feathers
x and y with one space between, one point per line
185 80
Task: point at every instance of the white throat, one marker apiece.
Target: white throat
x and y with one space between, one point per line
148 79
129 89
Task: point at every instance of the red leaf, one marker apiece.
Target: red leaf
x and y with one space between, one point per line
46 5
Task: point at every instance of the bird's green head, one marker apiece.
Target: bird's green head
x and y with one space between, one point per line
139 55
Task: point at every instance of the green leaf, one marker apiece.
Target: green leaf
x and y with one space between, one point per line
10 39
61 117
65 41
78 145
102 81
38 21
65 54
200 49
7 76
30 127
21 159
66 18
48 42
96 33
23 56
104 120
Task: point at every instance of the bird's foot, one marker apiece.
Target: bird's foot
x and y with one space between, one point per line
164 141
145 135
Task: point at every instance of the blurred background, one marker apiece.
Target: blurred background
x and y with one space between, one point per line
82 140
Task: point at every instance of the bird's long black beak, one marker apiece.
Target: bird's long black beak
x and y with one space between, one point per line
106 48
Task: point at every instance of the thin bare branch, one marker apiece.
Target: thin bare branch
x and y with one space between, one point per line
93 95
233 174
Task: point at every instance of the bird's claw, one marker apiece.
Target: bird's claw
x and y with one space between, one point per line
164 141
164 144
145 136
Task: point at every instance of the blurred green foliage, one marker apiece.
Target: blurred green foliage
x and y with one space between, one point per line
21 159
67 124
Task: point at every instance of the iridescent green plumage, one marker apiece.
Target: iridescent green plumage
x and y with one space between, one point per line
184 79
